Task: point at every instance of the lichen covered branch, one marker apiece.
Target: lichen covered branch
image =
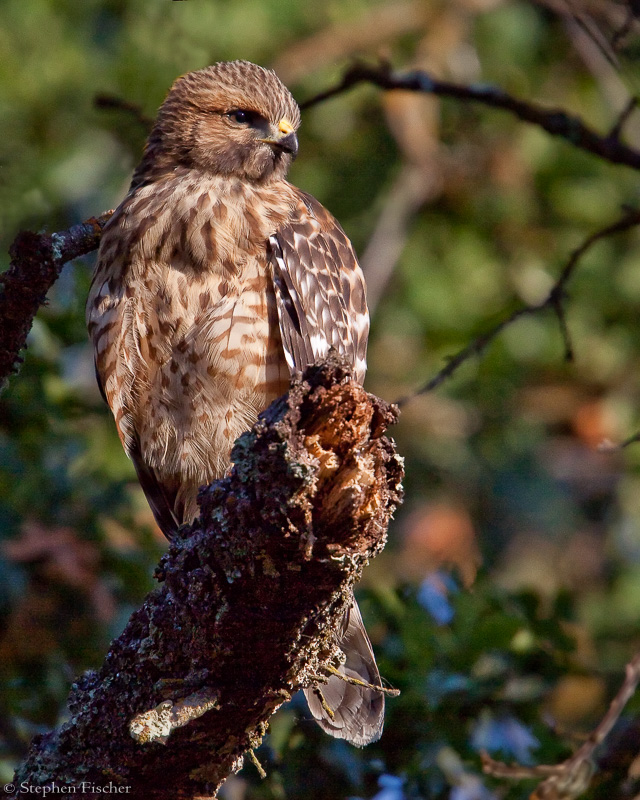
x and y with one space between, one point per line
251 597
36 262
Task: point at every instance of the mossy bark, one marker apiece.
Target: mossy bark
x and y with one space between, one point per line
250 598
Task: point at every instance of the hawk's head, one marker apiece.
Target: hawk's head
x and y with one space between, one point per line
233 118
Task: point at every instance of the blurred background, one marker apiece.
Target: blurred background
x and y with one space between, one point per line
508 599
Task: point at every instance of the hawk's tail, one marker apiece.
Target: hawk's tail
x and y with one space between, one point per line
356 712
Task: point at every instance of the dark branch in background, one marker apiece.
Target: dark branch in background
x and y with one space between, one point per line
553 121
553 302
112 102
609 24
633 12
253 592
626 112
251 599
572 777
36 262
592 28
607 446
37 259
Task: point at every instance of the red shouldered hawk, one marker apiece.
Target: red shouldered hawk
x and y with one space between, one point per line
216 280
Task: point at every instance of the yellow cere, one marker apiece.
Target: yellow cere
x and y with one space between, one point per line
284 126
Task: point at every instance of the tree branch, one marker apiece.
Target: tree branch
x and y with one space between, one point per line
571 778
36 262
251 598
554 121
37 258
105 101
554 301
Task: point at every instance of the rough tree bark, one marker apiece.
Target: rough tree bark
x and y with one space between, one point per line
250 598
36 262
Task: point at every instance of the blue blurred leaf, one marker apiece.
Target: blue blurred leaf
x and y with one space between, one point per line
390 788
505 734
433 596
440 684
471 789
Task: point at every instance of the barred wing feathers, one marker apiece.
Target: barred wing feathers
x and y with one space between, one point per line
320 296
320 289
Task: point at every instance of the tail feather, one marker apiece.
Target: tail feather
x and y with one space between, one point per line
358 712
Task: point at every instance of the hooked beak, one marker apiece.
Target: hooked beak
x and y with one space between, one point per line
288 143
284 138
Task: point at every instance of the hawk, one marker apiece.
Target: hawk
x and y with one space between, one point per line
216 280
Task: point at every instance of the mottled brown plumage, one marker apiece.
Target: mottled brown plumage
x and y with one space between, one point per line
216 280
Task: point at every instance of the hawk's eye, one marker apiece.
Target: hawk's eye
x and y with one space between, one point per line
241 116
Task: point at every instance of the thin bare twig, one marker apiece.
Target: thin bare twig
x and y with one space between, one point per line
592 30
356 682
554 121
113 102
613 86
572 777
624 115
607 446
554 302
617 40
259 768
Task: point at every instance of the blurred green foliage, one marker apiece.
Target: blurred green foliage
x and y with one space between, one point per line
503 466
